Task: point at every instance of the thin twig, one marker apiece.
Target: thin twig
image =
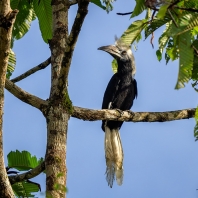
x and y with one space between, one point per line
127 13
172 18
186 9
196 51
43 65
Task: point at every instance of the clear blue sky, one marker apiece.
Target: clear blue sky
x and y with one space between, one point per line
160 159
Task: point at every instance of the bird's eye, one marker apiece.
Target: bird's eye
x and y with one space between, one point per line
124 52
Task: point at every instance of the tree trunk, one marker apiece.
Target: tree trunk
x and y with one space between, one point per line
7 18
57 121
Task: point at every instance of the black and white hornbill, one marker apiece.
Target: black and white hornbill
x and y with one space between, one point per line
120 93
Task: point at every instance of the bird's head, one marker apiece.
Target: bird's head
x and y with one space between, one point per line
121 52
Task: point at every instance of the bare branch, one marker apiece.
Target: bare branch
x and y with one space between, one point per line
43 65
28 175
25 96
129 116
73 37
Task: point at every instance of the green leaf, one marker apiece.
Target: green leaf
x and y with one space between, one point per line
98 3
172 51
24 18
195 62
185 59
187 22
167 58
22 160
114 66
108 5
25 189
159 55
195 85
162 11
133 32
148 14
196 126
139 8
163 39
43 10
11 64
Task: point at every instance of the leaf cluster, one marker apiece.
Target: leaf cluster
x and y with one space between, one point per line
23 161
178 41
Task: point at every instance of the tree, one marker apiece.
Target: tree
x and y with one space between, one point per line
96 113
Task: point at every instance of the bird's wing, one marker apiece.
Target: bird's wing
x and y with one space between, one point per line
110 91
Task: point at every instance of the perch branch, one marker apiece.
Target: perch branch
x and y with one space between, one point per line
129 116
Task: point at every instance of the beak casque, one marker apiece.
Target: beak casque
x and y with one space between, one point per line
112 50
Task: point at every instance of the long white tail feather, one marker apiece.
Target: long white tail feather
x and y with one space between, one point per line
114 156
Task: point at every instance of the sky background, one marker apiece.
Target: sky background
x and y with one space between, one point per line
160 159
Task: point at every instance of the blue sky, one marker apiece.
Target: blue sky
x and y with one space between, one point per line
160 159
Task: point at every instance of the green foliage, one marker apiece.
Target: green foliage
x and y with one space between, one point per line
185 59
196 126
11 64
24 18
98 3
25 189
156 23
43 10
22 160
114 66
21 26
139 8
181 30
134 31
162 11
108 5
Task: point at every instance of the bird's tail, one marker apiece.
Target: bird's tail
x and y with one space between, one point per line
114 156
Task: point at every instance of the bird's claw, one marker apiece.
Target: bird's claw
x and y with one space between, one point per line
130 112
120 111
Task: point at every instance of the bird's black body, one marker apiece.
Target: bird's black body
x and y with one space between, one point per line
120 93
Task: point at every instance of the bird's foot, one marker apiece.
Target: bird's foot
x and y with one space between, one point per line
120 111
130 112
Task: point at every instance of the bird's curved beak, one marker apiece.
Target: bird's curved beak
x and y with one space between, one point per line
112 50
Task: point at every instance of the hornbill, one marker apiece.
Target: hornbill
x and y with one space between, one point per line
120 93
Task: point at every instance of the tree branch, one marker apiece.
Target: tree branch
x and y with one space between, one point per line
73 37
43 65
25 96
129 116
28 175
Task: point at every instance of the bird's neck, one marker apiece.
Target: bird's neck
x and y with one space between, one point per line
124 68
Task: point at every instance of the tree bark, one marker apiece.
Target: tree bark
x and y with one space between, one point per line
7 18
56 114
60 107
